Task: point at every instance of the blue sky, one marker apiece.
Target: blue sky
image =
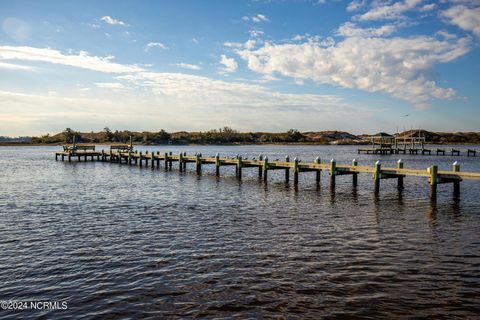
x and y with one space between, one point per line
358 66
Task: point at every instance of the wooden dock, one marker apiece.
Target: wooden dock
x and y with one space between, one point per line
417 151
124 154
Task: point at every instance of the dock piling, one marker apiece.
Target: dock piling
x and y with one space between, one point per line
260 168
376 176
433 180
239 167
354 175
287 170
265 168
295 171
333 172
217 164
198 163
317 172
400 177
456 183
180 162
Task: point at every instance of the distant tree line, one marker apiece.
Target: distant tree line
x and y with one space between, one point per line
225 135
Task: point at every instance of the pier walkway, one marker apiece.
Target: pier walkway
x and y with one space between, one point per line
125 154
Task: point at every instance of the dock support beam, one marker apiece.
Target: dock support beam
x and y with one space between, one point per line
354 175
295 171
180 162
317 172
400 178
287 170
433 180
198 163
140 159
260 168
456 184
239 168
376 177
152 155
265 168
333 172
217 165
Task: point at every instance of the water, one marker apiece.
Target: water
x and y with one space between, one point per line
125 242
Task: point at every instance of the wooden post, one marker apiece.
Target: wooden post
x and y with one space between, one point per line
295 171
333 172
166 160
158 159
317 172
377 176
239 168
103 155
69 157
260 168
265 168
140 158
236 167
433 180
180 162
184 163
146 159
170 162
287 170
152 155
217 165
198 163
456 183
355 175
400 178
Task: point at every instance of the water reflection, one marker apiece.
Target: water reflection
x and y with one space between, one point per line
124 242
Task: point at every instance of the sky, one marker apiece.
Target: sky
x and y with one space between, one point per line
359 66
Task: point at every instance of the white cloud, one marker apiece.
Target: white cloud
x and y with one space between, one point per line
82 60
229 64
11 66
350 29
232 44
188 66
255 33
256 18
400 67
465 18
110 85
111 21
355 5
260 18
152 45
429 7
388 11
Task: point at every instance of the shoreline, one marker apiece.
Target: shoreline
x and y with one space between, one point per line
28 144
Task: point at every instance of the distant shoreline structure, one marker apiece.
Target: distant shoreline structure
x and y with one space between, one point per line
228 136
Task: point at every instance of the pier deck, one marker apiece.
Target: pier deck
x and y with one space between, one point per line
152 159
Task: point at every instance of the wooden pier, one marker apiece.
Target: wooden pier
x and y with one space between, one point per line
124 154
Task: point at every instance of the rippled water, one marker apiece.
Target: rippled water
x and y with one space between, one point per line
124 242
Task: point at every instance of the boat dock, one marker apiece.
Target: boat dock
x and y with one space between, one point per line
384 144
124 154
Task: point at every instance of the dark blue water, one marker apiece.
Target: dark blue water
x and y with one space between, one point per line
115 241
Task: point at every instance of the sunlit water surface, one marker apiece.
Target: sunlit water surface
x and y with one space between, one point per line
119 241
